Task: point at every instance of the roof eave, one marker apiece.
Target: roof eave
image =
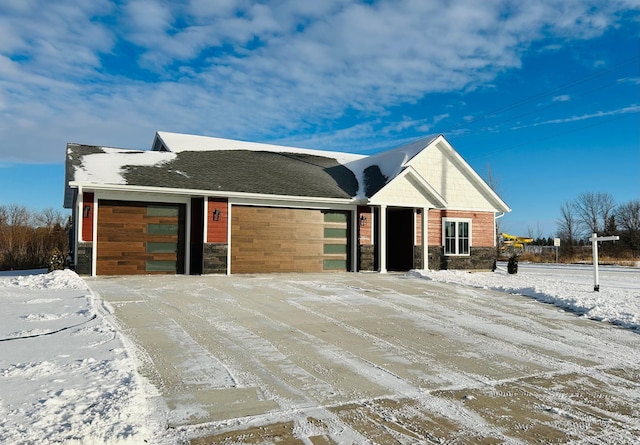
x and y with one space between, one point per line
427 189
211 193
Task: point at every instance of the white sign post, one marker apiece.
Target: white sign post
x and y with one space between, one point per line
594 247
556 244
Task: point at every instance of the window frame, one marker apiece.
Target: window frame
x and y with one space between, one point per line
457 238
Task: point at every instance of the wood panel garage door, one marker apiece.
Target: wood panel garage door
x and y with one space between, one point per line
265 239
140 238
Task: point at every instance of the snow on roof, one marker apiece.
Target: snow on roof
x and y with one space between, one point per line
178 142
391 162
108 166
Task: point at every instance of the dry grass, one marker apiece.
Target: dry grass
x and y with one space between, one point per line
578 259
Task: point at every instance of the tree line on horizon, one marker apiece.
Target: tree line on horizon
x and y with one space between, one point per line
35 239
32 239
597 212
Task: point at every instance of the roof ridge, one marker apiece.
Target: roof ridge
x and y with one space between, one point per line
177 142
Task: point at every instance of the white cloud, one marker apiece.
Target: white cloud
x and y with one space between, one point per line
632 80
561 98
236 67
598 114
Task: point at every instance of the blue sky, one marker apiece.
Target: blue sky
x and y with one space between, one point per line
544 94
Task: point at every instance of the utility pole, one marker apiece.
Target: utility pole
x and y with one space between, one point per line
594 247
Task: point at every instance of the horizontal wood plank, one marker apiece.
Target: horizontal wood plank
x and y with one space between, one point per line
123 237
265 240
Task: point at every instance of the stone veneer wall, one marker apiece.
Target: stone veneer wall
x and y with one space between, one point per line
215 258
366 258
481 258
83 264
417 257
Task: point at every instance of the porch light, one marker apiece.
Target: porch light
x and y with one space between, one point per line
216 215
363 220
86 211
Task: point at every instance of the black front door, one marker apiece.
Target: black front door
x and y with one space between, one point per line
400 228
197 236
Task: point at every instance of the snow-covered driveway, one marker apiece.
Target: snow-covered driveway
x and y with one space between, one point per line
361 358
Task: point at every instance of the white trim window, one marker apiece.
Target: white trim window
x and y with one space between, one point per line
456 236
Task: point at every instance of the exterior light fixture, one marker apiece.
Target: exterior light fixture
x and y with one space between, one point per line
216 215
363 220
86 211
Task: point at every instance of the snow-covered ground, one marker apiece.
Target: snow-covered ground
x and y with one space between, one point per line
68 376
65 373
567 286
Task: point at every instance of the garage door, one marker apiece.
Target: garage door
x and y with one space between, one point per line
265 239
140 238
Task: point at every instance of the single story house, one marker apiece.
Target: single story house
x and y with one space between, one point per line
203 205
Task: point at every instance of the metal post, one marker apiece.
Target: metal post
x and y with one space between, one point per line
594 249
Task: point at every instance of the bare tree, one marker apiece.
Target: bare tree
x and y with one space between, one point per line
15 233
28 239
493 182
534 233
568 222
568 226
593 210
628 217
607 206
49 219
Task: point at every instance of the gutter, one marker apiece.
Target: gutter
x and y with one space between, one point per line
210 193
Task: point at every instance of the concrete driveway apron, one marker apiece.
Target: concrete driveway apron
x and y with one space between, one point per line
382 358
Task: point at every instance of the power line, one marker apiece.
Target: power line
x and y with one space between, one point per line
552 104
551 136
540 95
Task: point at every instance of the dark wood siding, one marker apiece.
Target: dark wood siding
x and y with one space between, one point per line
140 238
265 239
87 217
217 225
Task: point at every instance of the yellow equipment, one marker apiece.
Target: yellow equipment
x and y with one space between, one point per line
515 242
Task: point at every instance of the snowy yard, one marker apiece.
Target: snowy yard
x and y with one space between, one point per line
431 357
567 286
65 373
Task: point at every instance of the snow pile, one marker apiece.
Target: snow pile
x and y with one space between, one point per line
568 287
58 279
65 375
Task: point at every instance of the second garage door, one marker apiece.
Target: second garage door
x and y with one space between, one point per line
266 239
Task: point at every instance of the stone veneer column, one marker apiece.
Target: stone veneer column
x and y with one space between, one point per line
215 258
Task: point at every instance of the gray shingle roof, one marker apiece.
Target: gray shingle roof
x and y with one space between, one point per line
289 174
226 166
75 153
250 172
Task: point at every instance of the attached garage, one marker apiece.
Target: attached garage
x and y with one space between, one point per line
270 239
140 238
203 205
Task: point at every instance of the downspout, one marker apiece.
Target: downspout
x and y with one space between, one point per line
355 239
77 224
382 247
495 228
94 237
425 238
